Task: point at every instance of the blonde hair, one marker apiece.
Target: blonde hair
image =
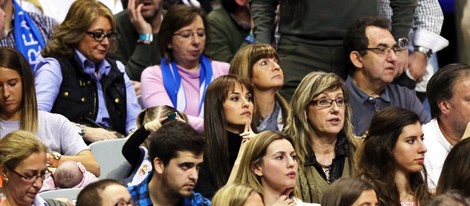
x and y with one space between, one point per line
253 155
17 146
242 65
233 195
298 126
81 15
157 112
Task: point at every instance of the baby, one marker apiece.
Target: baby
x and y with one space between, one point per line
69 174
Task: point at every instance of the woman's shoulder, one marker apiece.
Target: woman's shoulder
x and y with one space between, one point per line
52 119
299 202
220 68
152 71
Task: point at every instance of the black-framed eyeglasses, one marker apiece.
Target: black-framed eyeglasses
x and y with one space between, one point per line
100 35
325 103
402 44
30 179
385 50
190 34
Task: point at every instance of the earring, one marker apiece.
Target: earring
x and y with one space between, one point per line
5 180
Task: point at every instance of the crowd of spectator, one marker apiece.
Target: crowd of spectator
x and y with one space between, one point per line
261 102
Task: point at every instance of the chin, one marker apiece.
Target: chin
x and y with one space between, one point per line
186 193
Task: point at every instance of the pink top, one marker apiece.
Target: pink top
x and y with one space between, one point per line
154 93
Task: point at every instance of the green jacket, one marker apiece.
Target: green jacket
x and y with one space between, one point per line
225 35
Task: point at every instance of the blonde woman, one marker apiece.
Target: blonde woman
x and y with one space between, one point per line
23 167
320 123
269 165
237 195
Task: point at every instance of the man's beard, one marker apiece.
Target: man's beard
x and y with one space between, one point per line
150 18
169 190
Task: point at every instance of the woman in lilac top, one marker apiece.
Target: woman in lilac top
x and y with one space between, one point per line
185 72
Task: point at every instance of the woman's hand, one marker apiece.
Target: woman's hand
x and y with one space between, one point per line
93 134
248 132
285 199
154 125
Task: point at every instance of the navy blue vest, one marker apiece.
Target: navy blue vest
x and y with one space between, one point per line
77 99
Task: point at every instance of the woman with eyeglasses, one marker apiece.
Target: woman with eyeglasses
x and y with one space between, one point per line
23 167
77 80
185 71
320 123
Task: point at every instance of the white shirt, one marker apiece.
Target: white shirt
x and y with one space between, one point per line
438 149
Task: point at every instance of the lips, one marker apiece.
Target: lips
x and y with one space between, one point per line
292 174
9 102
195 52
420 160
246 114
189 186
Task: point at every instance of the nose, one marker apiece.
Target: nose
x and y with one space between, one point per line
392 57
275 65
422 147
38 182
245 103
195 39
194 174
105 41
334 107
291 162
5 92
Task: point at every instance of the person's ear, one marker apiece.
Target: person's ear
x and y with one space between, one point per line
356 59
443 106
3 172
257 170
158 165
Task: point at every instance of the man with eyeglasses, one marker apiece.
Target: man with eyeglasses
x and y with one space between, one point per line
176 151
138 27
371 54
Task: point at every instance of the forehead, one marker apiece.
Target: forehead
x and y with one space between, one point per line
197 23
377 36
35 162
237 88
114 193
187 156
9 72
101 22
280 145
414 129
462 83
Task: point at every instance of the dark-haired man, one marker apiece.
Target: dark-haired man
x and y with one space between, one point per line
371 56
176 152
448 92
